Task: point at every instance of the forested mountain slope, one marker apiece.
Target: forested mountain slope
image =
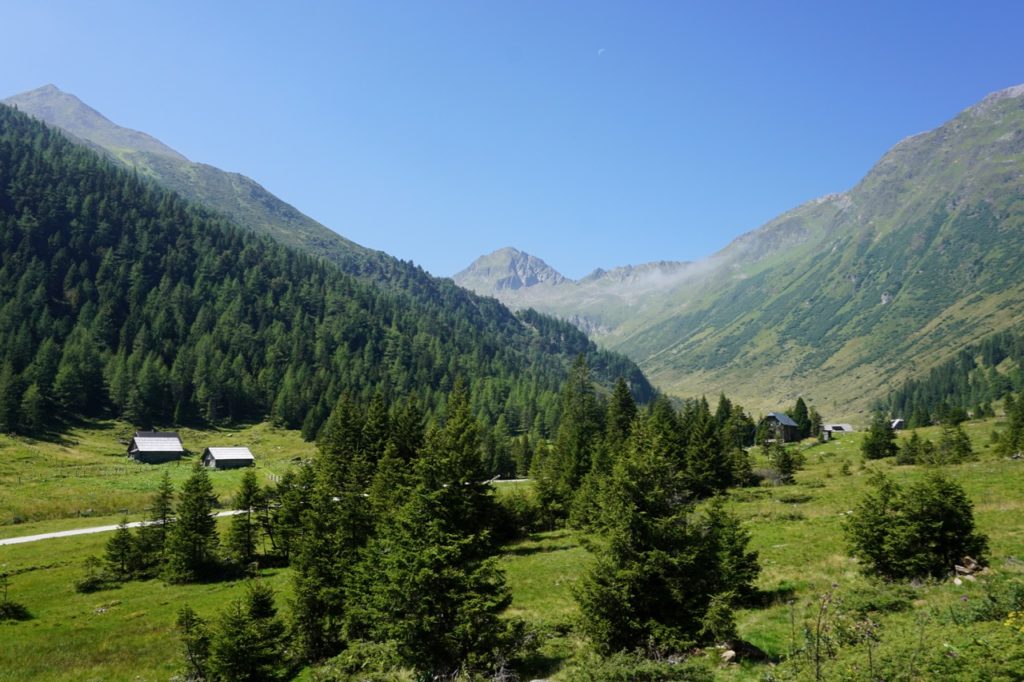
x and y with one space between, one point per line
843 298
118 296
235 195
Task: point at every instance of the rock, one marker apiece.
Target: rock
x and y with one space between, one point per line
727 656
961 570
957 581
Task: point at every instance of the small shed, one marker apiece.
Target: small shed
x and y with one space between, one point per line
228 458
782 425
837 428
155 447
897 424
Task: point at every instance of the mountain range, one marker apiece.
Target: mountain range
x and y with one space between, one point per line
838 300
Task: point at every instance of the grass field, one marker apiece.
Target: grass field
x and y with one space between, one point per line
128 634
86 473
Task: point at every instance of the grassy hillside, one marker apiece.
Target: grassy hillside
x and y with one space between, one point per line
127 633
842 299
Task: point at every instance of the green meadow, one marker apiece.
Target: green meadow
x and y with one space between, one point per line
128 633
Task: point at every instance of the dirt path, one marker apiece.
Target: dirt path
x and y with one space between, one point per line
85 531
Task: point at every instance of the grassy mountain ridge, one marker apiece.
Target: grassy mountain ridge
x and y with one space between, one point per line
844 297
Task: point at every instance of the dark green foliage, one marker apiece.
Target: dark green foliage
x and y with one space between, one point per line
915 450
119 297
243 533
954 446
152 537
191 543
914 533
969 379
785 461
365 662
95 576
122 553
880 440
802 417
428 581
9 609
1011 441
195 642
660 565
561 470
248 642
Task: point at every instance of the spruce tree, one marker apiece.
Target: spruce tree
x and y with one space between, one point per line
429 581
880 440
248 642
243 532
152 537
660 567
122 552
191 543
195 644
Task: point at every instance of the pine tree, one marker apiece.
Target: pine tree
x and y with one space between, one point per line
248 642
190 549
152 536
880 440
429 581
802 418
243 533
659 568
32 411
195 643
122 552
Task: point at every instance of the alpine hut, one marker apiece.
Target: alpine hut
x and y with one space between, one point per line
782 426
227 458
155 447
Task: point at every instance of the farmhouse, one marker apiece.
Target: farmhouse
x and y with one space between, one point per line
782 426
155 447
228 458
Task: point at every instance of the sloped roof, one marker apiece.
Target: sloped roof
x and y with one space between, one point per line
162 443
838 427
782 418
229 453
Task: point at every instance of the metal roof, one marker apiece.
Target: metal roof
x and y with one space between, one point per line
229 453
783 418
157 444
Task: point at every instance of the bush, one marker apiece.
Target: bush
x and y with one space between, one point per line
12 610
921 532
517 515
365 662
630 667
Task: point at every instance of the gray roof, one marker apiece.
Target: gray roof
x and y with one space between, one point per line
225 454
782 418
160 443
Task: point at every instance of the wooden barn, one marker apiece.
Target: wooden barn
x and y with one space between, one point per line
782 426
228 458
155 447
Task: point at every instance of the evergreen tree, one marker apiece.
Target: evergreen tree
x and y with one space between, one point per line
802 417
122 552
954 445
191 543
195 642
659 568
880 440
32 411
429 581
243 534
152 536
10 394
920 532
249 642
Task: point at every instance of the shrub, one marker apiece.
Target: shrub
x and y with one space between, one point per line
923 531
631 667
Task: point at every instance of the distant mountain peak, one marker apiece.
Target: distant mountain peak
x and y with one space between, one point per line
62 109
507 268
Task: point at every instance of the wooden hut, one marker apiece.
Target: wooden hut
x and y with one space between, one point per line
228 458
155 447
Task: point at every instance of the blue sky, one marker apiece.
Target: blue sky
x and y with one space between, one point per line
590 134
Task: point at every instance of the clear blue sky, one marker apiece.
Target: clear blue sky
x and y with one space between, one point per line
591 134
